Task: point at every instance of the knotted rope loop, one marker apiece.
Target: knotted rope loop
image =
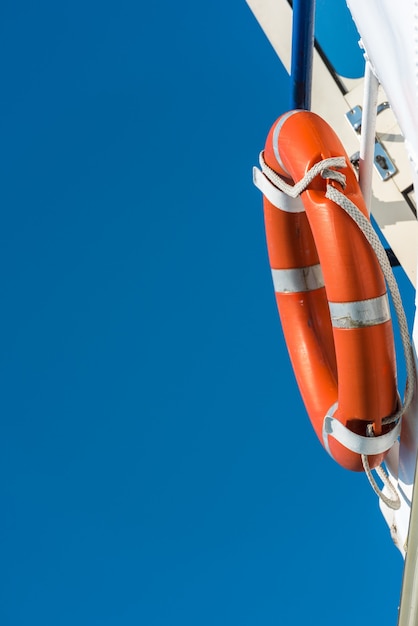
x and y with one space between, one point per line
322 167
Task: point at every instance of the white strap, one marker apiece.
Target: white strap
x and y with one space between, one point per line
278 199
352 441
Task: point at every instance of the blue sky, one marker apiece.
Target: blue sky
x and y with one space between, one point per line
157 464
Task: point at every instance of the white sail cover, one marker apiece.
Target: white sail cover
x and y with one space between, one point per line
389 32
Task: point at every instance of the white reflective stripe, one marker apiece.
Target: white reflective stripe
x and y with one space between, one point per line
352 441
278 199
298 279
360 314
276 133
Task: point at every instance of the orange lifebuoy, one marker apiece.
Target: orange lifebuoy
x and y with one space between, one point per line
326 275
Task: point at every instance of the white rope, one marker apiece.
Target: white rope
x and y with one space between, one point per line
319 168
368 231
394 502
371 236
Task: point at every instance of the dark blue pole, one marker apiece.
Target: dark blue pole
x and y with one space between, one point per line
302 53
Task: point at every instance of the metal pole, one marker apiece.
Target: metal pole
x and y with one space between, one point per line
408 610
303 31
368 134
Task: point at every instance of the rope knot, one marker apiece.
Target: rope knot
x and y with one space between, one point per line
329 174
322 167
